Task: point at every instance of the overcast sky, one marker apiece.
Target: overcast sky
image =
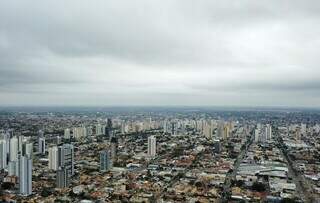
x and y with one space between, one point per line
164 52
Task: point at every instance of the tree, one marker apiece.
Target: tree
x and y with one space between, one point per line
46 192
288 200
7 186
256 159
240 183
259 187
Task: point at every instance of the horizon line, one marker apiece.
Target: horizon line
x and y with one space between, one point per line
163 106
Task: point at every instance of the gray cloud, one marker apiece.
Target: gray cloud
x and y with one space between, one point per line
159 53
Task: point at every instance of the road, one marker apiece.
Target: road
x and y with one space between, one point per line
302 187
226 194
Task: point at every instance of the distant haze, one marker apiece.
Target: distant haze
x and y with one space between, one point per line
165 52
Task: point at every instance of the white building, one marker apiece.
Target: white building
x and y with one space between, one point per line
13 169
53 158
27 149
3 154
303 129
25 175
13 149
79 132
152 146
99 130
257 135
268 132
67 133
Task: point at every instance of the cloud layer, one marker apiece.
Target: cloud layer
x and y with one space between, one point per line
168 52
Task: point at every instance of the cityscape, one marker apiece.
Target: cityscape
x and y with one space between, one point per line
160 155
159 101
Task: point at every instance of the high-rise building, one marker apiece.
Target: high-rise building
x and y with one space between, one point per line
66 158
220 130
40 133
109 123
226 132
298 134
13 169
53 158
89 131
257 135
207 130
62 179
173 128
103 129
6 137
41 145
79 132
152 146
25 175
303 129
27 149
268 132
108 129
13 149
99 129
67 134
10 133
20 143
3 154
114 148
105 161
58 140
216 146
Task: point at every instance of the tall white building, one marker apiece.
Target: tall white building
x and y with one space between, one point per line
53 158
13 149
208 129
226 132
89 130
268 132
13 169
99 129
67 134
152 146
257 135
79 132
25 175
27 149
220 129
3 154
6 137
303 129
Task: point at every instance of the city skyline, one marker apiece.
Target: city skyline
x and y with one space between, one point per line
209 53
160 155
160 101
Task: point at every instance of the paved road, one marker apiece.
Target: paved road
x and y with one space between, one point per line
232 176
303 188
